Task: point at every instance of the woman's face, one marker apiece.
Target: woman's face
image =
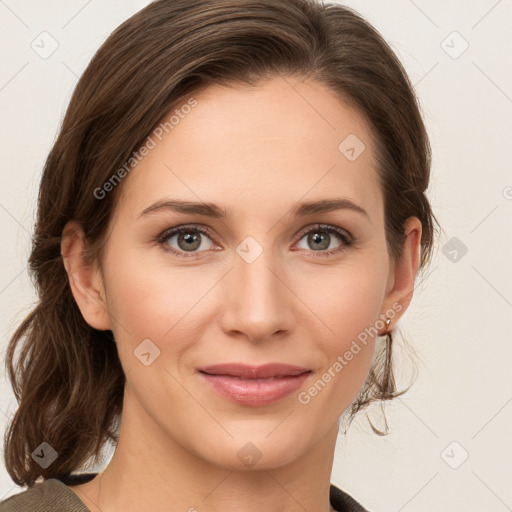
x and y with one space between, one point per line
262 284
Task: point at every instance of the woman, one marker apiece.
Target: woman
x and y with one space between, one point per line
230 224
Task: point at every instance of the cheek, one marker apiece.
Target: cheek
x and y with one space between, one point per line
158 302
349 305
345 299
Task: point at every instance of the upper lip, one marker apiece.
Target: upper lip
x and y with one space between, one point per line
254 372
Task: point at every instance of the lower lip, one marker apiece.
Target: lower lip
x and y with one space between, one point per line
255 393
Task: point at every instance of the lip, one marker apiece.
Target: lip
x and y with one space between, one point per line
254 386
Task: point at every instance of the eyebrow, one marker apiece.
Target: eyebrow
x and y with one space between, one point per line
212 210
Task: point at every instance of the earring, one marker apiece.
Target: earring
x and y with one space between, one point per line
388 322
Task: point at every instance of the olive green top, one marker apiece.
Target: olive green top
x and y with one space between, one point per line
49 496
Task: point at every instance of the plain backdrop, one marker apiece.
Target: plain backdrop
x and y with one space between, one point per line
450 447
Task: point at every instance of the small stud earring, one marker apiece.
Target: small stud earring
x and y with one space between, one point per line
388 322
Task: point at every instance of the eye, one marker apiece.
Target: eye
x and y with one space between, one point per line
186 241
189 241
320 237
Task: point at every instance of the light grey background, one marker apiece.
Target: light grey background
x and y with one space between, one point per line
459 321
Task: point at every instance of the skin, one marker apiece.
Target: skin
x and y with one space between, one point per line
256 152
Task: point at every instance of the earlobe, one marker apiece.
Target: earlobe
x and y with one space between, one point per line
405 269
84 277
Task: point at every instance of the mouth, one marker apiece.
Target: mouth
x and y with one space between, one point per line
254 386
248 372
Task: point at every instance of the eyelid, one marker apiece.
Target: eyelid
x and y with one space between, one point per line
183 227
343 233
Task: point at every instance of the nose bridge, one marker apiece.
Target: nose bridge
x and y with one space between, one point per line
256 301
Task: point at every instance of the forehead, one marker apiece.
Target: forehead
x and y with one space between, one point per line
248 147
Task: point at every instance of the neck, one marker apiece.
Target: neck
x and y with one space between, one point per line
152 471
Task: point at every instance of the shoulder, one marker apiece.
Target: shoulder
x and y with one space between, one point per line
52 495
342 502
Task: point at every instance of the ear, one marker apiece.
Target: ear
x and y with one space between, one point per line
84 276
403 271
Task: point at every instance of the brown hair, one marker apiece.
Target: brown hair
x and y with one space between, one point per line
68 379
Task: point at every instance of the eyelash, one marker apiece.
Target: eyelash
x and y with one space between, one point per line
346 238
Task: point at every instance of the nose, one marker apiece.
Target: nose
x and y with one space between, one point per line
258 302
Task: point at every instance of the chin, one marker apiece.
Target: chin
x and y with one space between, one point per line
260 453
